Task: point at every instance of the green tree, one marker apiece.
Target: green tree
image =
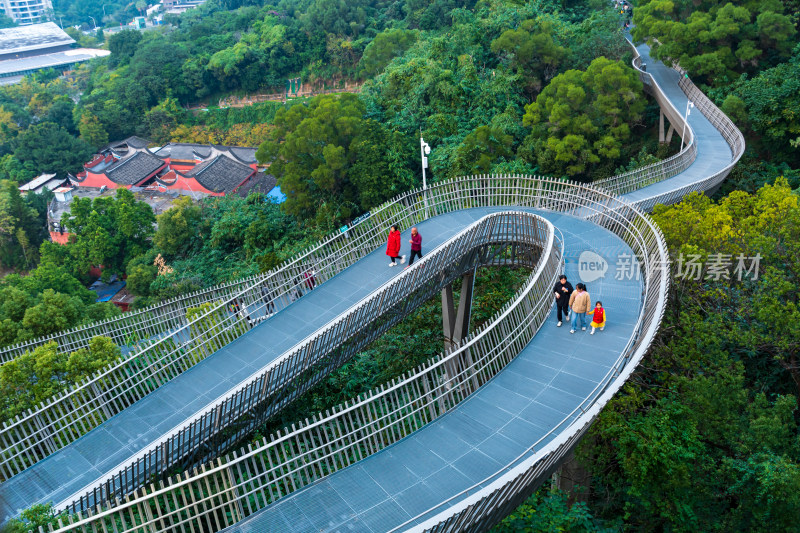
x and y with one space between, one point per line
50 148
56 312
109 231
715 39
92 132
21 228
384 47
583 117
177 226
481 150
532 52
312 151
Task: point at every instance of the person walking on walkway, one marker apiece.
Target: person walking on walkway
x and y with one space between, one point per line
416 246
580 302
393 246
563 291
598 317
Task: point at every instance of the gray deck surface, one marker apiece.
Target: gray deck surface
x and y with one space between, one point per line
532 395
110 446
477 439
498 423
713 152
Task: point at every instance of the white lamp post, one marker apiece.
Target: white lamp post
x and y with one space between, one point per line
689 104
424 150
93 21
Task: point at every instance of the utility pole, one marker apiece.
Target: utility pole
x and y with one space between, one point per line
424 150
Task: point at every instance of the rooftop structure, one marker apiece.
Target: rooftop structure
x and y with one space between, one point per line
28 49
26 11
41 182
22 41
187 167
179 6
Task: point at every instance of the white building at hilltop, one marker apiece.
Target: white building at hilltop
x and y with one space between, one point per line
27 49
25 12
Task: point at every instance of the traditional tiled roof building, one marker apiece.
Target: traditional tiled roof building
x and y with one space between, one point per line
196 168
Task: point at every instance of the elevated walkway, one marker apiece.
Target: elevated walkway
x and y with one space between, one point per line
470 463
539 390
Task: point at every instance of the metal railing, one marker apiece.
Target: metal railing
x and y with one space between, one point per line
554 199
232 488
143 325
661 170
131 328
216 427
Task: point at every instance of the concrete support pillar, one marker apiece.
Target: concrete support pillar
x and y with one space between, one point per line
455 323
662 138
669 133
572 478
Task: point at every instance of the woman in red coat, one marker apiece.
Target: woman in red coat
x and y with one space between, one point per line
393 246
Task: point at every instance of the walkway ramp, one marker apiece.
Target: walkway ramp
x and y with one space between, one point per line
478 458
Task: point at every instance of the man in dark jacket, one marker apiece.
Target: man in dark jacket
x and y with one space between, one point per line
562 290
416 246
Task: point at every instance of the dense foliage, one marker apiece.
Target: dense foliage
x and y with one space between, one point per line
704 437
716 40
38 375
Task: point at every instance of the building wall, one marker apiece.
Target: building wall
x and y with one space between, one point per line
25 12
190 185
34 53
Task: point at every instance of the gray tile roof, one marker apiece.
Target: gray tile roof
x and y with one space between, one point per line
184 151
246 155
191 151
133 169
221 174
260 183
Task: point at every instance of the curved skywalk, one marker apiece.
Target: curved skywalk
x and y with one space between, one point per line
477 439
79 466
458 454
546 382
713 152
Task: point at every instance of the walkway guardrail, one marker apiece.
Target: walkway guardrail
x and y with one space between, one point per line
236 486
161 319
238 413
662 170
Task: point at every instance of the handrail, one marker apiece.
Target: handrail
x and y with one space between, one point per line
557 201
661 170
153 322
542 278
603 208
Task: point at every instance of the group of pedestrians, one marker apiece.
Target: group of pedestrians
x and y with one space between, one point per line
393 246
578 303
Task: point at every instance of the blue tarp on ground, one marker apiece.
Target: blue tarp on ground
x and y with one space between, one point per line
106 291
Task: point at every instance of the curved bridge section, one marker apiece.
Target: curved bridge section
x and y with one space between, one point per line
238 486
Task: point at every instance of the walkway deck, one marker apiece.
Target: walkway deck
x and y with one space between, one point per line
401 484
533 394
477 439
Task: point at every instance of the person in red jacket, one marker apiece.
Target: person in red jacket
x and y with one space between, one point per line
416 246
393 246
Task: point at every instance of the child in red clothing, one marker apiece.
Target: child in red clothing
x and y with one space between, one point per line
598 317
